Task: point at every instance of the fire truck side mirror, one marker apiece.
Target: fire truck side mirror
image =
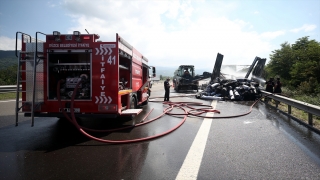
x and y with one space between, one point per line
153 71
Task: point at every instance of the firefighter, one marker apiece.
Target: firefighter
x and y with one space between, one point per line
167 89
277 87
277 90
270 85
269 88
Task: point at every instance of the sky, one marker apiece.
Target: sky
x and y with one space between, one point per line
171 32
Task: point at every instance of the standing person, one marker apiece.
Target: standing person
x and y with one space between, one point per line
277 87
167 89
269 88
270 85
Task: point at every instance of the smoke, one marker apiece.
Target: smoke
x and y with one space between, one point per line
231 72
238 72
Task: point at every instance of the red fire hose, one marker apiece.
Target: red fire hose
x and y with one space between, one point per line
167 110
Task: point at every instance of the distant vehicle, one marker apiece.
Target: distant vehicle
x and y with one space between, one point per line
184 78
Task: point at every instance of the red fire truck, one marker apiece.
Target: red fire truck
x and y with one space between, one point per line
106 79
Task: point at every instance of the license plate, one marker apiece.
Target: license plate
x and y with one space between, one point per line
76 110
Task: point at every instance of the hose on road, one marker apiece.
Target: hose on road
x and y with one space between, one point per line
197 112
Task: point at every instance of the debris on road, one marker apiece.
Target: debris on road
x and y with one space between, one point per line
240 89
227 89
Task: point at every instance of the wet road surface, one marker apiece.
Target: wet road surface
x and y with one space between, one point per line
261 145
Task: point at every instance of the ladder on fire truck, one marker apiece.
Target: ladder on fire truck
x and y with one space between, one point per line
30 58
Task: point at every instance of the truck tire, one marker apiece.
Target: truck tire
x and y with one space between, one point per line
133 105
178 89
146 102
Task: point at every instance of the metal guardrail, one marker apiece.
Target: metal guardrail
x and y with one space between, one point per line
308 108
8 89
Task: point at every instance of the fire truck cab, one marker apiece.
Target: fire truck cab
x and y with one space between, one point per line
101 79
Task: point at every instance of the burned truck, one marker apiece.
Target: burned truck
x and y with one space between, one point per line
184 78
236 88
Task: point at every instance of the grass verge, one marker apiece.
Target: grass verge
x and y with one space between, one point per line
5 96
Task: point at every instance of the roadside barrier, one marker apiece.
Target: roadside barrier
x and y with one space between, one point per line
308 108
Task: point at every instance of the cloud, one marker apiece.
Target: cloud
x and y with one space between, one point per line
50 4
272 35
256 12
305 28
8 43
170 33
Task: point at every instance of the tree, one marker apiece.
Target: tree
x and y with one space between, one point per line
297 64
8 76
307 57
281 61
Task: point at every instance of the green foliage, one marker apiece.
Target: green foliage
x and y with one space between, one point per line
4 96
7 59
310 87
8 76
301 94
7 62
279 60
314 99
8 68
298 65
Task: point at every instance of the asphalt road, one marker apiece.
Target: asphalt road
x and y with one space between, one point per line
261 145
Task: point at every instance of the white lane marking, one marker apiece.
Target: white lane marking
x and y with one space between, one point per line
248 122
191 164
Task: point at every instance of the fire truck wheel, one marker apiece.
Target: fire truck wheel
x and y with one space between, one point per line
133 105
146 102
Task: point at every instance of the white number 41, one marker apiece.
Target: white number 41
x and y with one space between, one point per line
112 60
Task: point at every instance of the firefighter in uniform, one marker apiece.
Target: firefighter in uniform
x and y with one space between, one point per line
277 87
269 88
167 90
270 85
